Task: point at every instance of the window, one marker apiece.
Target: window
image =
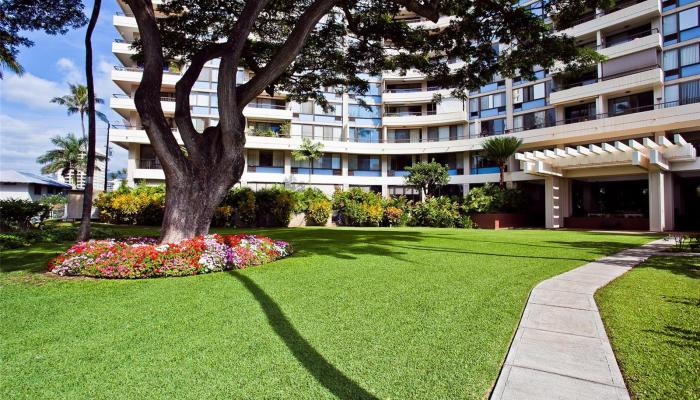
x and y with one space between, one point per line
682 62
404 135
357 162
535 120
400 162
404 111
529 97
487 106
444 133
358 111
681 26
627 35
631 104
37 189
684 93
580 113
365 135
493 127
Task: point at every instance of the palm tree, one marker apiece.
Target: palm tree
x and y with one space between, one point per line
499 150
67 157
308 152
9 62
77 102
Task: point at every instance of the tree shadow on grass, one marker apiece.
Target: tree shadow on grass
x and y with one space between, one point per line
680 337
324 372
456 251
30 259
678 265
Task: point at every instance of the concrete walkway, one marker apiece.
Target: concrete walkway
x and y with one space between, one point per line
561 350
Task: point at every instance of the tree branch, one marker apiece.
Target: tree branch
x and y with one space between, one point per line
147 97
430 11
286 54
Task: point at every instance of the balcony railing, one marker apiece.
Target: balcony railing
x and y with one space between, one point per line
409 113
268 106
558 87
150 164
140 69
125 96
123 14
628 39
594 117
618 6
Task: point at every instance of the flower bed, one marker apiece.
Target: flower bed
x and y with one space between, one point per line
134 258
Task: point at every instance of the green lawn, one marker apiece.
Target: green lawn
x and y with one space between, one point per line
355 313
652 315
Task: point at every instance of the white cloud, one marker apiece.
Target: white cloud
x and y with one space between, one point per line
30 90
71 73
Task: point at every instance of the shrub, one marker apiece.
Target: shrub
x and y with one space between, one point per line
242 203
437 212
307 196
142 205
274 206
394 216
358 208
144 258
12 241
374 214
19 213
491 198
317 212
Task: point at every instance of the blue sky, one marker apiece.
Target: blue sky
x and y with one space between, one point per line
28 120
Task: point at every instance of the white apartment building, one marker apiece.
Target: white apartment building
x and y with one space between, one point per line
614 150
98 179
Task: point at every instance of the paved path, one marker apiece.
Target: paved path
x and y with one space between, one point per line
561 350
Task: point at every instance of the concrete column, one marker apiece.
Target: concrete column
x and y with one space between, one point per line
669 205
344 164
244 176
384 161
385 134
287 164
601 104
132 163
556 194
467 163
657 220
509 104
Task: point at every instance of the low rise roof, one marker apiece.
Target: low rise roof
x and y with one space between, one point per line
14 176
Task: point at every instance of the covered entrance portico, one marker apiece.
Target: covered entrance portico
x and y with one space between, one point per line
610 185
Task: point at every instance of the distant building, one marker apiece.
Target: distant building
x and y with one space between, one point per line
28 186
115 183
98 179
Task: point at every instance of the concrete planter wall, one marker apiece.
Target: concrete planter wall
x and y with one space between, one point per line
501 220
300 220
608 222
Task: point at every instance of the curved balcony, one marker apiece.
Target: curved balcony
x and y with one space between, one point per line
268 112
411 96
624 14
420 119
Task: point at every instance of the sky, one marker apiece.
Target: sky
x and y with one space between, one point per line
27 118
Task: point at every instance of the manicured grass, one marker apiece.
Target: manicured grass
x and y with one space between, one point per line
355 313
652 315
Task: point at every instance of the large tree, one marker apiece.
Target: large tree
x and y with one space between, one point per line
19 16
301 46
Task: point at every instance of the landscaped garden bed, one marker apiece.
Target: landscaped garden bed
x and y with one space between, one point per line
143 257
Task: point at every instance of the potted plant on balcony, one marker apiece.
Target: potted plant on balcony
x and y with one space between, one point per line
310 152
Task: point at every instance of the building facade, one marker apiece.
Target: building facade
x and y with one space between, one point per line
615 148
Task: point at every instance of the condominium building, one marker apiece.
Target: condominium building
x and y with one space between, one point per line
616 148
98 179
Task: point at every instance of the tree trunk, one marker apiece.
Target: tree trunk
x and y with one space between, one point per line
502 181
191 201
84 233
82 120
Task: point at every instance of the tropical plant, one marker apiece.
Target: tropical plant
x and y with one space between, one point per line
18 213
77 103
491 198
67 158
318 212
428 177
499 149
308 151
20 16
